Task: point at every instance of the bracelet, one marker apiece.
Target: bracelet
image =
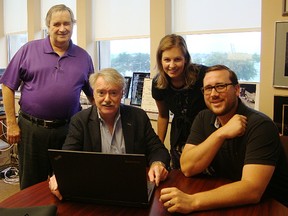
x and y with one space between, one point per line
159 162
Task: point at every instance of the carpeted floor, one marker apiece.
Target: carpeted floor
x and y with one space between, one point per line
7 190
11 168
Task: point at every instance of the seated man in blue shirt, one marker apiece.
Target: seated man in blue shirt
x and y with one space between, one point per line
233 141
111 127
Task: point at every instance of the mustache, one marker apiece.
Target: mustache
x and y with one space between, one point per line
107 104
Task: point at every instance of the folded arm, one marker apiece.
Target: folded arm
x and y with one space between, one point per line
196 158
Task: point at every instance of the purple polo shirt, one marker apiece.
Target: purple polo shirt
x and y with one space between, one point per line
50 85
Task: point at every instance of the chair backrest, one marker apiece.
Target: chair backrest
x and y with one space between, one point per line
284 141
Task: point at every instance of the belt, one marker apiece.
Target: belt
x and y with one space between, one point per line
44 123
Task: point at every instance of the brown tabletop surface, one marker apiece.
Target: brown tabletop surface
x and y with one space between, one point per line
39 194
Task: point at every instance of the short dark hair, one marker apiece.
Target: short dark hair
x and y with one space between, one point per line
232 75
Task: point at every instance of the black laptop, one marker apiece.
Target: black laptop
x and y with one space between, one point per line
117 179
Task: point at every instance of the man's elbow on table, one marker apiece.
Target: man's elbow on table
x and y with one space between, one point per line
189 171
254 197
188 168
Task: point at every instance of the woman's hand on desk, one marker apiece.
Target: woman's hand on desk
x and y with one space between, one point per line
157 172
54 187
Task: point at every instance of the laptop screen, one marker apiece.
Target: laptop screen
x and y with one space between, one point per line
102 178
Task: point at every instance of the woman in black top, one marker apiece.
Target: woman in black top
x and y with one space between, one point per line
177 88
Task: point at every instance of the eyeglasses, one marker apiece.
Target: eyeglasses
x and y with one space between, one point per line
220 88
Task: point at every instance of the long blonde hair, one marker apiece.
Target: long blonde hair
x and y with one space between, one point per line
166 43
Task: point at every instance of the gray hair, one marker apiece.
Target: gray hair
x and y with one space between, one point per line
110 75
57 8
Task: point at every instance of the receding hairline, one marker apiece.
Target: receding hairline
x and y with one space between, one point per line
59 8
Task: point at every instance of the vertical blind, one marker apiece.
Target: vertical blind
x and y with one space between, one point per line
116 19
15 16
210 15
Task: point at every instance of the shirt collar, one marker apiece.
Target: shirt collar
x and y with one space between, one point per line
102 120
217 123
48 47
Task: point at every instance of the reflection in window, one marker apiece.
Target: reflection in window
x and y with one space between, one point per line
239 51
15 41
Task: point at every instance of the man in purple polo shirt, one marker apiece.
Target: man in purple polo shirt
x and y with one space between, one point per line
51 73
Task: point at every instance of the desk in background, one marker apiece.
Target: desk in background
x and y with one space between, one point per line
39 194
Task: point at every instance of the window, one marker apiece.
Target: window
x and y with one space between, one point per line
123 19
122 30
228 38
126 56
15 16
239 51
15 41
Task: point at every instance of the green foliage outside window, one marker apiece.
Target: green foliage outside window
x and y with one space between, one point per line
245 65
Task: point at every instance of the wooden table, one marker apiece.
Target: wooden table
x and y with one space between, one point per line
39 194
